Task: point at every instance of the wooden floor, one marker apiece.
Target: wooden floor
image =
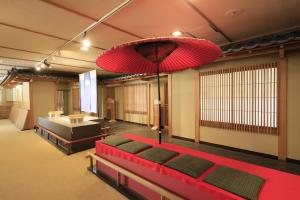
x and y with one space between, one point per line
33 169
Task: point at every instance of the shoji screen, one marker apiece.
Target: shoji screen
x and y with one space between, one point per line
135 97
243 98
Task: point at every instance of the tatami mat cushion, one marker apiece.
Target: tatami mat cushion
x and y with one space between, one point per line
235 181
158 155
190 165
134 147
116 140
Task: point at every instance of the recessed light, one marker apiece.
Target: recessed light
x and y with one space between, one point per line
84 48
38 68
234 12
176 33
43 65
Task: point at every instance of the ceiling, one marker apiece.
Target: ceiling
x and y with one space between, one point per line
30 30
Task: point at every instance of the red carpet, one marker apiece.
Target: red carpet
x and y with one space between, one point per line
278 185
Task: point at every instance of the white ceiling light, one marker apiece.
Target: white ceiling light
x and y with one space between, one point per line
43 65
38 68
176 33
85 43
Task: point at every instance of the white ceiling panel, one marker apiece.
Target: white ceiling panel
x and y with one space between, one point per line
106 37
21 39
257 16
154 18
92 8
42 17
20 54
73 51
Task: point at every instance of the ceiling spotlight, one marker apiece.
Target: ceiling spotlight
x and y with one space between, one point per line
46 63
43 65
38 68
84 48
50 66
86 43
176 33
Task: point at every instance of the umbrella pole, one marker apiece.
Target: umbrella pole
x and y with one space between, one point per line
159 106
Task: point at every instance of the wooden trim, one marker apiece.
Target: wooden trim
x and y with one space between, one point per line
52 63
148 104
35 52
30 112
282 105
152 186
197 106
123 90
170 106
68 142
55 94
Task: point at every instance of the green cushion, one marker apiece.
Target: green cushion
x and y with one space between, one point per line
190 165
240 183
158 155
115 141
134 147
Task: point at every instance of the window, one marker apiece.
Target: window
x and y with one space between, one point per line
242 98
135 97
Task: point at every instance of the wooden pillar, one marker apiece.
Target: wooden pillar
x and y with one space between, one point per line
123 92
197 106
30 112
55 94
282 105
170 104
148 104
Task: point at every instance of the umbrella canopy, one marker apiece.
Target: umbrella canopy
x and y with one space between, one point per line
174 54
157 55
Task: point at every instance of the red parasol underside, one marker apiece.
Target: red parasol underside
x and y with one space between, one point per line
131 58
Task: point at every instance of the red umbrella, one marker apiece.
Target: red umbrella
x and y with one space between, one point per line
155 55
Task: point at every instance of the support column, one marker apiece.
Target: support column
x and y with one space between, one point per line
197 106
282 105
170 104
148 103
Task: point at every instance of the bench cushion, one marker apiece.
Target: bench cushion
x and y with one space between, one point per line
190 165
157 155
134 147
235 181
115 141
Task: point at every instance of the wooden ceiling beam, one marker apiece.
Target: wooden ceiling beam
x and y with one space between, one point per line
53 63
28 51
